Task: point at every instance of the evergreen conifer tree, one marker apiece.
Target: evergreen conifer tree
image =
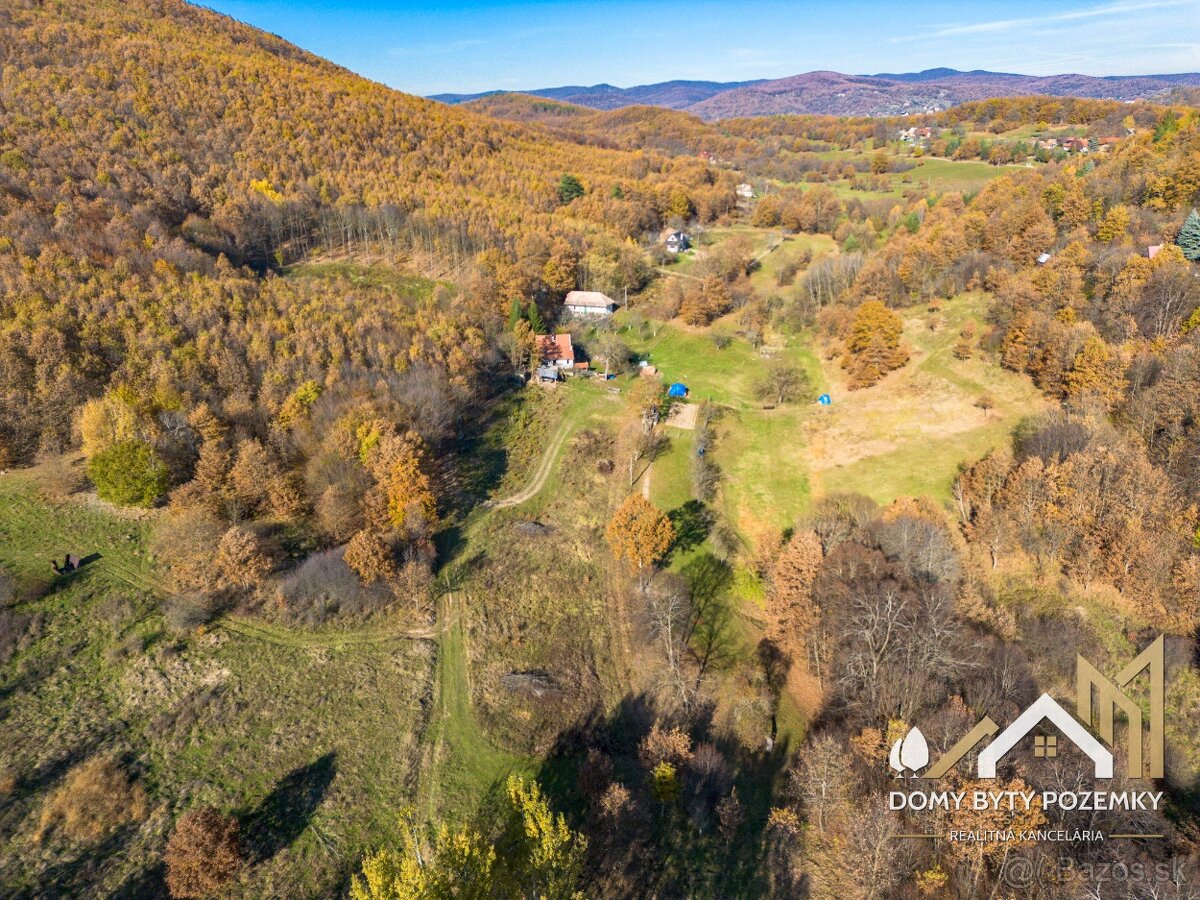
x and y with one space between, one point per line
1188 238
536 324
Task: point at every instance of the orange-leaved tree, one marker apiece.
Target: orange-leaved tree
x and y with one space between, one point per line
641 533
873 348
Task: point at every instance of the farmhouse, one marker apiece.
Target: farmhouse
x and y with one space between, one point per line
556 350
677 242
1076 145
745 191
589 303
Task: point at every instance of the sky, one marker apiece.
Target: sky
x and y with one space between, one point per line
476 45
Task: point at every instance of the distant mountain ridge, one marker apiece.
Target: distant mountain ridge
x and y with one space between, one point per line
677 94
836 93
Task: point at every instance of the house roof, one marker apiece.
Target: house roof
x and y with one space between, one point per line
588 298
556 346
677 236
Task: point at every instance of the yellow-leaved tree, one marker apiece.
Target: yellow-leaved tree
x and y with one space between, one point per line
543 858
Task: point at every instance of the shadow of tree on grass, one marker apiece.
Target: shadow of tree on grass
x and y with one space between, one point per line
285 812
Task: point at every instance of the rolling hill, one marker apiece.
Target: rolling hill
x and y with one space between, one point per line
835 93
671 94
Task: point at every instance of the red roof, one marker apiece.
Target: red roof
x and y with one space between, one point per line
556 346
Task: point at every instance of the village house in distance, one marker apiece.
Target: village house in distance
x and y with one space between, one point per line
589 303
678 241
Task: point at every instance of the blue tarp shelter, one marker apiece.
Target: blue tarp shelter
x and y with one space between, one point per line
824 399
678 389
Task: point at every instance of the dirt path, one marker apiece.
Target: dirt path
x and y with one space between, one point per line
545 467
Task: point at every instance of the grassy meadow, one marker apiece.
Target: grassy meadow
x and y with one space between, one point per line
312 743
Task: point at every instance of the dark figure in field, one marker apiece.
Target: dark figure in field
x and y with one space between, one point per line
70 564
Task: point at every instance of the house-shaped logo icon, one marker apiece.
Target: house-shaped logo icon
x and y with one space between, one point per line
1097 701
1042 709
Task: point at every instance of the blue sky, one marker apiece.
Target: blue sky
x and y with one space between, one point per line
458 45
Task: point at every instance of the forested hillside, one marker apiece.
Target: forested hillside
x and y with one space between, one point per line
161 163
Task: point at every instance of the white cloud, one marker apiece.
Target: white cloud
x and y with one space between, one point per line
999 26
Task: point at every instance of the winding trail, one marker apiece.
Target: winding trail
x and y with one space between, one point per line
545 467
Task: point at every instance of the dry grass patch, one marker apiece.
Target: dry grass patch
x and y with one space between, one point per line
95 799
906 435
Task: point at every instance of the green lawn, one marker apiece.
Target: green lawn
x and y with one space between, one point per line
764 465
761 452
671 475
724 376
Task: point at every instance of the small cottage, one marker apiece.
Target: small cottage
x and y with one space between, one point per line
556 350
677 242
589 303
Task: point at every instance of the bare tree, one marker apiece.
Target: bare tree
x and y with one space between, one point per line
669 610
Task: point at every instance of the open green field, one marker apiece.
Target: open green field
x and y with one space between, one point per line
903 437
724 376
929 173
760 451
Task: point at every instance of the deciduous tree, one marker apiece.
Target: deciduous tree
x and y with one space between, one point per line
203 853
640 533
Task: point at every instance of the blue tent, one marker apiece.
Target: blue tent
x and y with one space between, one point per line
678 389
824 399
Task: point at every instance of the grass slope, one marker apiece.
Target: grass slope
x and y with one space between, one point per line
314 744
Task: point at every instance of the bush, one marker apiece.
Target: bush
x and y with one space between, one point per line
242 559
187 612
203 853
129 474
94 800
370 556
323 586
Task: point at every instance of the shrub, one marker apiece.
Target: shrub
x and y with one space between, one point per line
129 474
94 799
203 853
241 559
369 555
323 586
187 612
